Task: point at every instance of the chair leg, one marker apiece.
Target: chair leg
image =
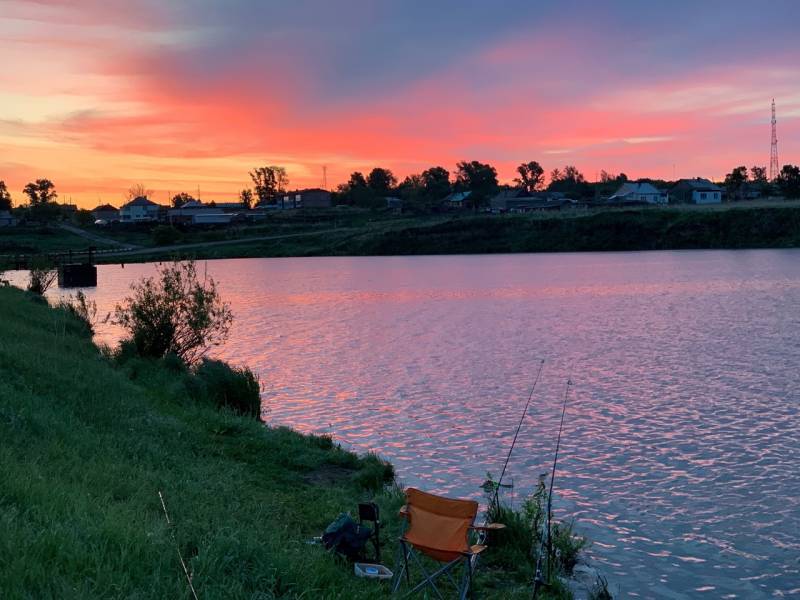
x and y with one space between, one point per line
466 586
401 568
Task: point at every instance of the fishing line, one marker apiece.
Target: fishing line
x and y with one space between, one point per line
514 441
538 579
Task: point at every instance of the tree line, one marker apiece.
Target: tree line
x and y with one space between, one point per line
424 191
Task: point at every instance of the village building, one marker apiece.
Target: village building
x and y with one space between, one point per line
105 212
696 191
638 192
520 200
308 198
7 219
457 199
139 210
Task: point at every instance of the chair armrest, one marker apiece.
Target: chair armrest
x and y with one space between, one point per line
488 527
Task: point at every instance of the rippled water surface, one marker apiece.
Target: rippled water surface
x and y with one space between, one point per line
681 449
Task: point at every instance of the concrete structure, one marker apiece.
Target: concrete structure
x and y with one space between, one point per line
635 192
139 210
105 212
7 219
696 191
309 198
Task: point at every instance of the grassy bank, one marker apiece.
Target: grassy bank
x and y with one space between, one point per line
85 449
33 240
87 444
572 231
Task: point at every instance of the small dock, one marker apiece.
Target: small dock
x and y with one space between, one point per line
76 268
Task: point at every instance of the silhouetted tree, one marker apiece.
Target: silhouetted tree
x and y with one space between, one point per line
381 181
356 192
531 176
246 198
479 178
758 174
437 183
572 174
5 197
570 182
789 181
611 178
735 182
40 192
268 182
138 190
179 200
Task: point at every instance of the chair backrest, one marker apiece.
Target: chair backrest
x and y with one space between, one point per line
439 526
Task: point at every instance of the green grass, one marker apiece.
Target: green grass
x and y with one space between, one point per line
87 445
85 450
32 240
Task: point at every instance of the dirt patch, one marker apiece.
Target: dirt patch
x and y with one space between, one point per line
328 475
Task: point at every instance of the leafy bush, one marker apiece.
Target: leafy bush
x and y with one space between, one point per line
42 275
226 386
175 313
164 235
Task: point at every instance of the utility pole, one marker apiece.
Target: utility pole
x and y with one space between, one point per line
774 169
324 177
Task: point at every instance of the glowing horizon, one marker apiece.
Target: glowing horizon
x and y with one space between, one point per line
100 97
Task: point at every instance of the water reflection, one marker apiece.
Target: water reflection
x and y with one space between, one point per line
681 446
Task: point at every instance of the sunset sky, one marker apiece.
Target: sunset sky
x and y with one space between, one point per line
98 95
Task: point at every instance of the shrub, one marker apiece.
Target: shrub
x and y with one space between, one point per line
164 235
376 473
175 313
226 386
42 275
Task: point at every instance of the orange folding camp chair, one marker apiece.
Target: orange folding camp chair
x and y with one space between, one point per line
440 528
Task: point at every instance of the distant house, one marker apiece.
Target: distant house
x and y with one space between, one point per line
308 198
139 210
212 217
230 207
105 212
186 212
7 219
394 203
457 199
638 192
519 200
696 191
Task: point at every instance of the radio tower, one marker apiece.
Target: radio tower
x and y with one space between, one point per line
773 153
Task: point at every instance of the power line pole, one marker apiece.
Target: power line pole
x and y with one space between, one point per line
324 177
774 169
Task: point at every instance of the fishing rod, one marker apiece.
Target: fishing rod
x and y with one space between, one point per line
538 582
514 441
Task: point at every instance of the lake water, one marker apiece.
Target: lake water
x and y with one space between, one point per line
681 450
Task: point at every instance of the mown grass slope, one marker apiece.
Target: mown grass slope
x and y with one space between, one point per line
84 450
